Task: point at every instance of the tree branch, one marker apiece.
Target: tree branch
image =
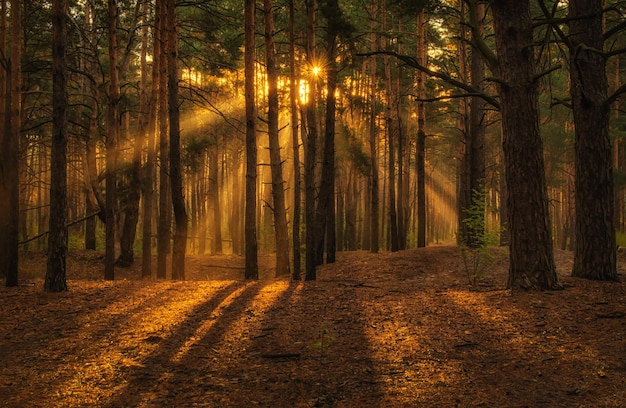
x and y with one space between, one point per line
615 95
412 62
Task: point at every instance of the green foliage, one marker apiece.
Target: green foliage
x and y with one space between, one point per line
478 257
620 239
325 339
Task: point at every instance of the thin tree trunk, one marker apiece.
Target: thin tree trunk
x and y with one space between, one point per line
325 212
176 175
595 252
112 145
281 232
214 195
293 97
149 170
421 134
131 209
165 204
310 147
251 245
373 141
57 238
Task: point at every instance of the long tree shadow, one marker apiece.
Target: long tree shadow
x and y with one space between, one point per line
300 349
164 376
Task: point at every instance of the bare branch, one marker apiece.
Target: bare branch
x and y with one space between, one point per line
413 63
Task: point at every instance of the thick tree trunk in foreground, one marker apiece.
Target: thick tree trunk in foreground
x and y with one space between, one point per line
594 253
531 253
251 244
421 134
57 239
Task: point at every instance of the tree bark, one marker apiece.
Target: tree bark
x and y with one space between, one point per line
595 251
310 147
531 253
281 232
176 174
251 245
293 97
164 229
373 142
325 212
55 280
112 140
149 170
131 210
421 134
214 195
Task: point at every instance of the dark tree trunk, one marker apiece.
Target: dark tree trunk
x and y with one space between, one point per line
111 146
149 170
251 245
531 253
281 232
594 253
131 210
374 198
9 164
310 148
476 136
293 96
325 212
176 174
57 239
214 195
421 136
164 229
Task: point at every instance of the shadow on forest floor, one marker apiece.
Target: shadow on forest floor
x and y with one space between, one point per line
380 330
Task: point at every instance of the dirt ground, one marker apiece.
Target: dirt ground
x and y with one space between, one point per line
401 329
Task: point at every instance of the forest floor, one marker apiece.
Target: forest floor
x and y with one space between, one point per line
401 329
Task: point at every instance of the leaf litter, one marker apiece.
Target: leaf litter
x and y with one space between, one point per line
381 330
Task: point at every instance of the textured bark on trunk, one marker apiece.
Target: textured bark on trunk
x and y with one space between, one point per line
310 148
181 218
57 239
111 146
293 96
421 135
251 245
281 232
531 253
595 251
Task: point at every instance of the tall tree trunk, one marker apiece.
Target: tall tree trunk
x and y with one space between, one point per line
164 229
149 170
476 142
391 162
251 244
421 133
293 98
594 253
57 238
176 174
112 145
310 146
131 209
325 212
531 253
9 166
373 140
214 195
281 232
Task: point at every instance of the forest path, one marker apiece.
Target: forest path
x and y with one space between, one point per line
379 330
